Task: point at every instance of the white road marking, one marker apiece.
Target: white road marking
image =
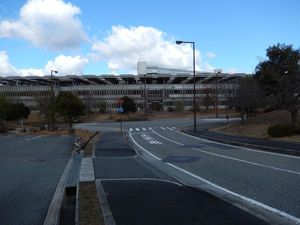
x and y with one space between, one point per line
137 129
32 138
130 129
168 139
149 153
174 128
144 129
162 128
246 199
169 128
238 147
249 162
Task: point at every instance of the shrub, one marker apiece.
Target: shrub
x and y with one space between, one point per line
281 130
170 109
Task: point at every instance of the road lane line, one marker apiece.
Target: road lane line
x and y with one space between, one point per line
144 129
130 129
249 162
168 139
249 200
246 199
162 128
149 153
30 139
137 129
169 128
238 147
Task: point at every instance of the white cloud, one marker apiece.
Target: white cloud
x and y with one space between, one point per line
210 55
66 65
70 65
232 70
6 68
124 47
51 24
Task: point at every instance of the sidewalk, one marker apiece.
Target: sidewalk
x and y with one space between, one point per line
138 193
290 148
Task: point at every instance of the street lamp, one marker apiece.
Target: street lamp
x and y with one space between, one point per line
194 80
217 71
52 71
145 98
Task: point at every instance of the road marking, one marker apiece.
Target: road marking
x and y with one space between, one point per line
249 162
32 138
168 139
130 129
144 129
239 147
143 179
246 199
162 128
149 153
169 128
137 129
174 128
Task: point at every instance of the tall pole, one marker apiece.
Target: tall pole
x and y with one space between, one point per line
194 89
194 81
145 98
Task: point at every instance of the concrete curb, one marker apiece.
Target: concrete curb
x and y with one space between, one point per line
54 210
107 214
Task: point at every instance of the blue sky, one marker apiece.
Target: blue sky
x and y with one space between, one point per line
100 37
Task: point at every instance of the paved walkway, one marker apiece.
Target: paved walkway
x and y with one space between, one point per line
138 193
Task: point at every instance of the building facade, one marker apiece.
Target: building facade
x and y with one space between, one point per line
158 88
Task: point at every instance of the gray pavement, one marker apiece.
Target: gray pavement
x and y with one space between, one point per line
30 167
270 179
139 193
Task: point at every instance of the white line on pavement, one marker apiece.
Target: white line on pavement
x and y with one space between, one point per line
246 199
169 128
32 138
238 147
168 139
249 162
130 129
144 129
149 153
162 128
137 129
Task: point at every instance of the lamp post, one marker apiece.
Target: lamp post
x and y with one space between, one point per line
145 98
51 108
194 81
217 71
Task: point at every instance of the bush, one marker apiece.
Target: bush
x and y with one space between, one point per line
170 109
281 130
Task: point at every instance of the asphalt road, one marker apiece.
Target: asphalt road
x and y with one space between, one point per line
30 168
138 193
270 179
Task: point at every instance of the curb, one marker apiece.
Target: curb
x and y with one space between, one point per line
107 214
54 210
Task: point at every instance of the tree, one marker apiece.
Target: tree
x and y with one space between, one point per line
128 105
102 105
69 106
48 109
4 105
245 98
17 111
279 77
207 101
179 106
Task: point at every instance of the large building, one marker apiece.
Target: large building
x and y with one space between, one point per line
157 88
